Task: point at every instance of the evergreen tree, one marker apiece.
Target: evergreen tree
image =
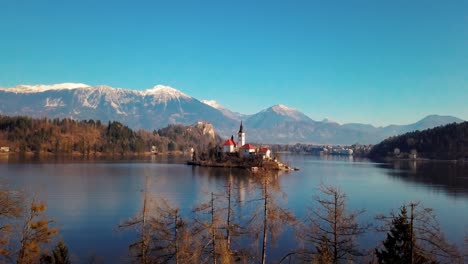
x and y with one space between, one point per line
397 246
414 237
59 255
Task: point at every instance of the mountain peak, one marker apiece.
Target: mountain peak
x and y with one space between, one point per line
228 113
329 121
165 93
436 120
441 117
284 110
45 87
213 104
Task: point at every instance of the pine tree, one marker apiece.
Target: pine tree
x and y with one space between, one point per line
397 246
414 237
59 255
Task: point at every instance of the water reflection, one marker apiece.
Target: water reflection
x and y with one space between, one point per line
88 198
450 177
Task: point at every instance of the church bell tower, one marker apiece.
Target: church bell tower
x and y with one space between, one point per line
241 136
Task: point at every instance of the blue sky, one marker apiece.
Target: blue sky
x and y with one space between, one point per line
378 62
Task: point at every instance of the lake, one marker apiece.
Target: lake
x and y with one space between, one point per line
89 199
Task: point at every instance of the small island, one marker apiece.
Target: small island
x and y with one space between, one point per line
239 155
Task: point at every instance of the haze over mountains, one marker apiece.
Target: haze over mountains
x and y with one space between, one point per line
162 105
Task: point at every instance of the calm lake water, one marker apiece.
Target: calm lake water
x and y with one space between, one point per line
88 199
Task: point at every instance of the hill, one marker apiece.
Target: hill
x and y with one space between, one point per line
449 142
89 137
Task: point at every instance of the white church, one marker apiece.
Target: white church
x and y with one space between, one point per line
230 146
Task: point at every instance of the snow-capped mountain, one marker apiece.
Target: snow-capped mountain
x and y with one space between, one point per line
162 105
150 109
274 116
163 94
42 88
228 113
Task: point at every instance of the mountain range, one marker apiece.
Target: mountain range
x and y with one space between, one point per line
162 105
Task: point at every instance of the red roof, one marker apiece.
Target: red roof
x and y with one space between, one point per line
263 150
248 146
229 142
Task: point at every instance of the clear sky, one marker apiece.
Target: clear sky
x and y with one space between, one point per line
377 62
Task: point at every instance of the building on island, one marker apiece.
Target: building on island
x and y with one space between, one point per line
247 150
229 146
265 153
244 150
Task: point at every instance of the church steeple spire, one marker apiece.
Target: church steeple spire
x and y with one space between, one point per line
241 136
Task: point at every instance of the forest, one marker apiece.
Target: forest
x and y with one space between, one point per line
449 142
215 231
90 137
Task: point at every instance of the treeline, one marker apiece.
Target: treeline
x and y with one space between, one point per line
301 148
449 142
90 137
215 231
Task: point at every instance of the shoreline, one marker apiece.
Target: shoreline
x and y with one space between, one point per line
270 166
390 159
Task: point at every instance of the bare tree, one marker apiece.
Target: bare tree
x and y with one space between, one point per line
269 222
36 231
163 235
426 241
330 231
210 221
10 209
140 248
171 237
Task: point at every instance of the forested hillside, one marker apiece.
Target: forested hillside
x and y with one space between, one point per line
90 137
449 142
